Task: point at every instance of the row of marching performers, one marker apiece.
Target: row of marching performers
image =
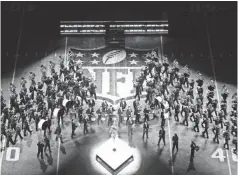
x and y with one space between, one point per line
166 84
32 101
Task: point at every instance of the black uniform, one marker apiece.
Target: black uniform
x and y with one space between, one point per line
227 138
58 134
175 142
216 131
205 123
47 144
26 127
74 126
196 120
40 149
9 138
85 126
145 130
193 147
161 136
18 133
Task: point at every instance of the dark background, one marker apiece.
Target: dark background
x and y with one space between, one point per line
186 22
186 19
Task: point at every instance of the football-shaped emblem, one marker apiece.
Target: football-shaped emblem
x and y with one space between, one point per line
114 56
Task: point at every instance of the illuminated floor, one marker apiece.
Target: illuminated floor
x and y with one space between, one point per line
114 155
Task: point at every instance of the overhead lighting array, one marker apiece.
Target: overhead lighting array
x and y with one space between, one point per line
93 26
140 25
129 27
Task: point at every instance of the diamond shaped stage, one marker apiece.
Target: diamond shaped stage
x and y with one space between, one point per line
114 155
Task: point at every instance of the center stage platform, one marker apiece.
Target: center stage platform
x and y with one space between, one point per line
114 155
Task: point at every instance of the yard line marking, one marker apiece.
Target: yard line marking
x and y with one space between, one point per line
13 77
18 44
214 76
59 142
228 161
170 146
58 156
170 149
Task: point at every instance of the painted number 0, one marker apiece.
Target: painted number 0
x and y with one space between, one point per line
234 156
218 154
13 154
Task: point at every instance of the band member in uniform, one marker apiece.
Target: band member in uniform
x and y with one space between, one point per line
175 142
226 135
74 126
92 90
196 120
58 134
145 129
99 113
193 149
205 124
47 144
130 127
162 135
146 113
9 137
216 131
90 113
26 127
91 103
128 112
40 149
123 104
120 115
234 141
85 125
18 133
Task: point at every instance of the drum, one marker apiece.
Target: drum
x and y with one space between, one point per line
133 118
166 105
42 124
159 98
197 148
166 115
103 118
93 119
151 116
125 118
56 111
65 103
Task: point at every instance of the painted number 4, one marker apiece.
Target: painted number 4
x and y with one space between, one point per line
219 154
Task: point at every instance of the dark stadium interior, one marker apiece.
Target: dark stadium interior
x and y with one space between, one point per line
186 25
187 42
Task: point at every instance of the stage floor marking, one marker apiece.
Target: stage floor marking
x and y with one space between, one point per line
215 80
59 142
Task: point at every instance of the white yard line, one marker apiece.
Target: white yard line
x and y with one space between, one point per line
13 78
18 45
170 149
59 142
170 145
214 76
58 157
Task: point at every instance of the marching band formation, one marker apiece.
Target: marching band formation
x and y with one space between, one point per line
170 93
